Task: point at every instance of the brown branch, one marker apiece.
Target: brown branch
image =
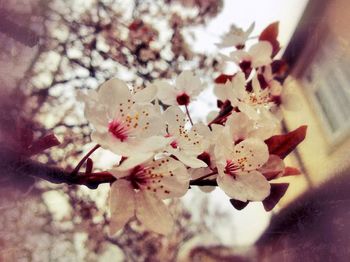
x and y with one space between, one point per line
13 164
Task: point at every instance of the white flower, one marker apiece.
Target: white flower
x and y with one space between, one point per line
237 167
258 55
124 123
185 144
236 37
140 188
241 127
282 95
254 103
207 156
226 91
187 87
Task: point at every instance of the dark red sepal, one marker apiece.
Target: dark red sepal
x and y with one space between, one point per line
223 78
183 99
237 204
205 157
225 111
291 171
270 34
278 190
282 145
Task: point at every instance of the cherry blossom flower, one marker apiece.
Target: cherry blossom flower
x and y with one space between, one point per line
207 156
254 103
280 93
124 123
241 127
238 168
186 144
257 55
236 37
141 186
163 151
186 88
227 91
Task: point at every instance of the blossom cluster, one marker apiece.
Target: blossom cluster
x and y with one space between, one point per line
164 152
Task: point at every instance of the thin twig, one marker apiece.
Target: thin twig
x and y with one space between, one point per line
205 176
82 161
188 114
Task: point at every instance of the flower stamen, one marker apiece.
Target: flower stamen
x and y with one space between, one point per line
118 130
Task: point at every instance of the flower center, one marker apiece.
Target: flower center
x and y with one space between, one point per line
258 99
118 130
183 99
174 144
138 176
231 168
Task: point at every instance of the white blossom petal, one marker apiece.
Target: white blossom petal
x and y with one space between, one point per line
113 92
146 94
239 125
175 118
122 205
166 92
152 144
97 116
261 53
246 186
240 55
188 83
132 161
153 213
188 160
252 152
175 178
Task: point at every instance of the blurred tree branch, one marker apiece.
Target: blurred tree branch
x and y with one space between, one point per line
18 165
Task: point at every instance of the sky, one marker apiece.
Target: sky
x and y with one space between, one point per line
244 13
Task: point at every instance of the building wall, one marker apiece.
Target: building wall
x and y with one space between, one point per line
320 157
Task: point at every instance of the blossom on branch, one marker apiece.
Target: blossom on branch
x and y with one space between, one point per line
124 123
186 88
140 188
238 166
186 144
258 55
236 37
164 151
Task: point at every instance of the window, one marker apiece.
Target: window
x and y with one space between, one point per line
328 84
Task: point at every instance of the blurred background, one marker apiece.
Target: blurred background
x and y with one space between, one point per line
50 49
